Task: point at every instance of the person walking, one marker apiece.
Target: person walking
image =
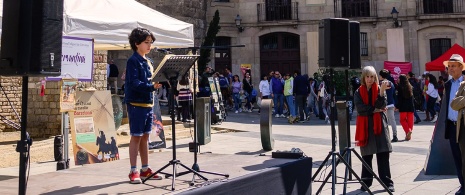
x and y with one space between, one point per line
433 95
450 104
323 96
264 88
391 100
247 86
372 134
405 106
302 91
236 88
277 93
288 94
312 98
184 97
139 99
417 95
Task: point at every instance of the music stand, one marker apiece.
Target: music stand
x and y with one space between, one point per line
171 69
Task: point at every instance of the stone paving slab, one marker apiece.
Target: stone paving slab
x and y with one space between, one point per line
238 153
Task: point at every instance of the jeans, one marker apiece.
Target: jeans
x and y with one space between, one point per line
312 104
290 105
300 106
278 100
237 101
417 118
430 106
392 120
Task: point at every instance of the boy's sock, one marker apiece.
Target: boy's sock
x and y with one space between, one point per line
145 167
133 168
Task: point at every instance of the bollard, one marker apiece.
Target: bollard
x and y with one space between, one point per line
265 124
58 148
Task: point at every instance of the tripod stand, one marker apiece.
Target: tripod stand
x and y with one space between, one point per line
195 166
174 162
336 158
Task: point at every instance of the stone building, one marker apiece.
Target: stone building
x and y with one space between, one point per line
283 34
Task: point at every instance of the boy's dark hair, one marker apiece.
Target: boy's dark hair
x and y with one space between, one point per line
410 74
384 73
138 35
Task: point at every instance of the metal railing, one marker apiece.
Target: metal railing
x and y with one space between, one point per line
440 6
355 8
278 11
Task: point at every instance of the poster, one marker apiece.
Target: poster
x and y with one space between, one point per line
93 128
77 59
245 68
157 137
67 94
398 68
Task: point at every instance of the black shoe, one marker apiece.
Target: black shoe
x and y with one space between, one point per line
417 121
460 191
391 188
186 121
394 139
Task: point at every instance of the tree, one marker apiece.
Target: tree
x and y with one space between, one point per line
205 54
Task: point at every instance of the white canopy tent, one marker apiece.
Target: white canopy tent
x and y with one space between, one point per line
109 22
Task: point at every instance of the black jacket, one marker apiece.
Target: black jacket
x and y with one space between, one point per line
404 104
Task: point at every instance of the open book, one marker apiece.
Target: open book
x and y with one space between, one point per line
173 66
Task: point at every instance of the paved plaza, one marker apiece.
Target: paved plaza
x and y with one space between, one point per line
238 153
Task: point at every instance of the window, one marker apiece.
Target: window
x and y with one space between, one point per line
270 42
438 6
355 8
363 44
438 47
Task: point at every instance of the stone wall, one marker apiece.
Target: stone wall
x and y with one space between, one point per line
190 11
44 117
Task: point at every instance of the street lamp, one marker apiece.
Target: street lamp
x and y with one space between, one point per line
238 23
395 17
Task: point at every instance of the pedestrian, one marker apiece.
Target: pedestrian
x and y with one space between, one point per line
184 97
248 86
372 134
432 92
236 86
139 99
302 91
417 95
312 98
405 106
277 93
264 88
452 102
288 94
391 101
323 96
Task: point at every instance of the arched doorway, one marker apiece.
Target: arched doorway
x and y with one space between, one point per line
222 55
279 51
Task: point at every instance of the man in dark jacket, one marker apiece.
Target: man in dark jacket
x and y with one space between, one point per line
390 95
277 93
301 90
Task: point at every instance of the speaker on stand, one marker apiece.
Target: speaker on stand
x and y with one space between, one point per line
355 61
333 43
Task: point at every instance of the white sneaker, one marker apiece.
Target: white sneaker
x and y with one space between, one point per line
435 118
250 110
236 112
276 116
283 116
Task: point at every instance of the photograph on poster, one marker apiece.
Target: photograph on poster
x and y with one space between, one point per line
84 125
68 95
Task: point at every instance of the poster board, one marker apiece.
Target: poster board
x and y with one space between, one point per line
68 94
77 59
93 128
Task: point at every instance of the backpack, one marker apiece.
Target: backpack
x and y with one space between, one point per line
254 93
223 82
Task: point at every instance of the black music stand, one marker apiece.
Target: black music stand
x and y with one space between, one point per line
336 157
171 69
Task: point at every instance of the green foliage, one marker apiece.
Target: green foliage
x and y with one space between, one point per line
339 79
209 40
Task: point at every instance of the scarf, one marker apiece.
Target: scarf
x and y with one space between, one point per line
361 132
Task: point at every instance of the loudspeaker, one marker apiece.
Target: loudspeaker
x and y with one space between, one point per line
355 61
333 43
31 37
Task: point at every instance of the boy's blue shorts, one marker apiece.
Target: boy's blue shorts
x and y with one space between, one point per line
140 120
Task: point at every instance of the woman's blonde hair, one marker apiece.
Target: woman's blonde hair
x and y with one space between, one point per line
369 70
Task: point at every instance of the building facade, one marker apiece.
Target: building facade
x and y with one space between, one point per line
283 34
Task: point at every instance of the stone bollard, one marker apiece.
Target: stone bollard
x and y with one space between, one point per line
265 124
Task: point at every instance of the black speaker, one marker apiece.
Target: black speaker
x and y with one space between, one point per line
31 37
333 43
355 61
